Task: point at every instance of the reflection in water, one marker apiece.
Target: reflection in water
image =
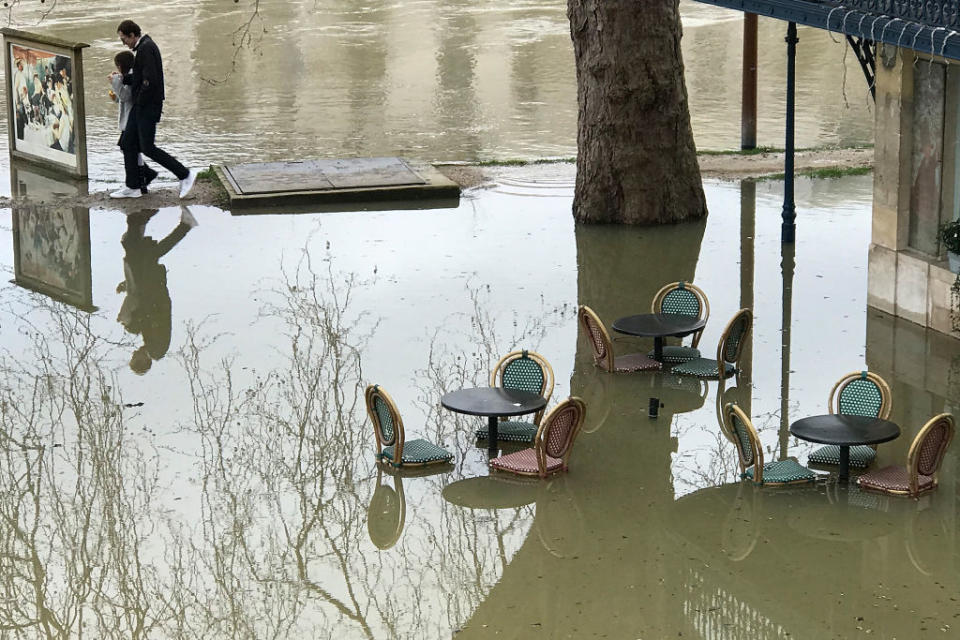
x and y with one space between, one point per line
76 494
146 304
242 499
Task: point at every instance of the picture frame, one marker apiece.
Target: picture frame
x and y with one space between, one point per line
51 243
46 115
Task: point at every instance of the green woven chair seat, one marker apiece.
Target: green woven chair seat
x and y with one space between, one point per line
702 368
783 472
675 354
511 431
861 456
417 452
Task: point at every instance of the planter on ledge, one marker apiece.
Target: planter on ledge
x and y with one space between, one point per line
953 260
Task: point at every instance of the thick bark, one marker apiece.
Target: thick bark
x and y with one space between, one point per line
636 160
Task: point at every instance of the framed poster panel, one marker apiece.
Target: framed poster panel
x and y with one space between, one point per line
46 119
51 252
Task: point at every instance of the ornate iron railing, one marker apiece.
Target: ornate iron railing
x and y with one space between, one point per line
932 13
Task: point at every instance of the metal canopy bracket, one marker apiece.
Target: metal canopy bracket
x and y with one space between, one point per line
866 52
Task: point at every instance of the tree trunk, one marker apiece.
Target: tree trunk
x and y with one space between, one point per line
636 160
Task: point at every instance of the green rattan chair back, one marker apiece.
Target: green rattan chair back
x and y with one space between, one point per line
525 370
861 394
734 337
682 298
387 425
744 436
523 373
681 301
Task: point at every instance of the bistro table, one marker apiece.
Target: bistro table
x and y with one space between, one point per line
493 402
844 430
659 326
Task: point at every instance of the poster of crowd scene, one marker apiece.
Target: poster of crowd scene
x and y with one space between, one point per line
45 104
52 252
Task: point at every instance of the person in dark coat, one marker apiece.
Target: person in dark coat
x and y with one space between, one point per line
146 308
148 95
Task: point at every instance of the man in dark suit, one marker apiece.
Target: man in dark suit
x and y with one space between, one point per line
138 137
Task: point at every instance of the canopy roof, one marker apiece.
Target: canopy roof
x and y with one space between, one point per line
929 26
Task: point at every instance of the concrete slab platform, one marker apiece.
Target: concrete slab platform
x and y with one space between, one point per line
269 187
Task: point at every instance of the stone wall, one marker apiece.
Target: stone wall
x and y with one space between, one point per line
914 187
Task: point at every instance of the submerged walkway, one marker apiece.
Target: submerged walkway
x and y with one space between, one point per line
260 185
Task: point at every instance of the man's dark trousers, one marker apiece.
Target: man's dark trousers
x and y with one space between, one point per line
138 137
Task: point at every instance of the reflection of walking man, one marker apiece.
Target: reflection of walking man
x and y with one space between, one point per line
146 308
148 96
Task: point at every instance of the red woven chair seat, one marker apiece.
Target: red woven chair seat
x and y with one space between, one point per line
525 462
893 479
635 362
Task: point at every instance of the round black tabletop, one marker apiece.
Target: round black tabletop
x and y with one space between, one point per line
845 430
493 401
653 325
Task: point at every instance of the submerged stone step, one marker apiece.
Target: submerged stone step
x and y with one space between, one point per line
269 186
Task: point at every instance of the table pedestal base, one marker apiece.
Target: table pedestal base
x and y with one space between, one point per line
844 474
492 449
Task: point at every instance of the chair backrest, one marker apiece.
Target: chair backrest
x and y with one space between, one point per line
685 299
524 371
745 437
733 338
558 431
387 424
598 337
928 448
861 393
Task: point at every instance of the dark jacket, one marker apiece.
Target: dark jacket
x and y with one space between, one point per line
147 76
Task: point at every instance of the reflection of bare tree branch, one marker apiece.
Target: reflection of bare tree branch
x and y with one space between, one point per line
74 491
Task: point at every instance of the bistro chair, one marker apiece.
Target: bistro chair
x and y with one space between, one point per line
771 474
860 393
524 371
392 447
729 351
685 299
923 462
602 346
551 446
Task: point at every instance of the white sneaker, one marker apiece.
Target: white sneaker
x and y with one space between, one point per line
187 183
126 192
186 217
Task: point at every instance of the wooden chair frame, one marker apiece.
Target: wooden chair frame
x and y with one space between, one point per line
886 397
733 410
913 459
725 336
586 315
913 455
657 304
373 392
729 411
546 389
539 442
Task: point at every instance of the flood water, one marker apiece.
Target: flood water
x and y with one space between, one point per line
435 81
209 472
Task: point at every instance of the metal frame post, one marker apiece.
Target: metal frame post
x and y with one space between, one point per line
789 227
